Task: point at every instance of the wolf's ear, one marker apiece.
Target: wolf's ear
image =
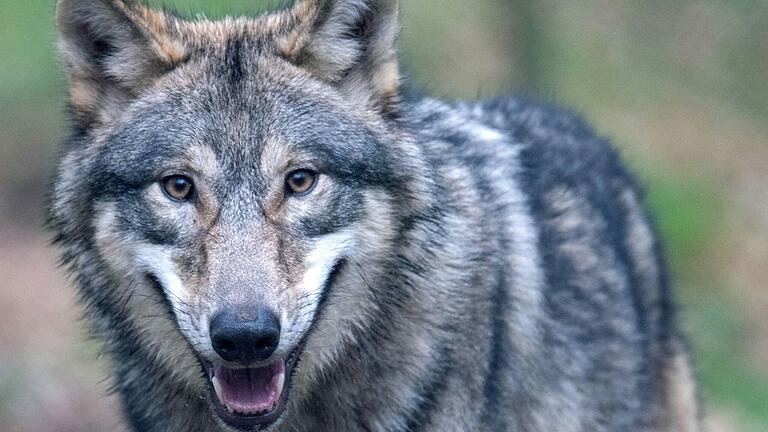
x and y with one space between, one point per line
112 50
351 44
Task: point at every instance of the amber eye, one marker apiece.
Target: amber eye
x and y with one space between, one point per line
301 181
178 187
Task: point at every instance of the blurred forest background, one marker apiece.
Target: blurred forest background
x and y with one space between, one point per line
681 86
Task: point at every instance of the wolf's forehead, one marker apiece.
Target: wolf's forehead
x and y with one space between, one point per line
246 130
264 120
228 118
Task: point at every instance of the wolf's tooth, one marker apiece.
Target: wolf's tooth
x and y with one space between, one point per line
280 384
217 388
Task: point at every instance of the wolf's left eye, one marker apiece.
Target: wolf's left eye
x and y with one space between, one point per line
301 182
178 187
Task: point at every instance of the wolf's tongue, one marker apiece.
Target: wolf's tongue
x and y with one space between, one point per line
249 391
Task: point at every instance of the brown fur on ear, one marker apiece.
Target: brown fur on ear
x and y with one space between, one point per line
112 50
351 44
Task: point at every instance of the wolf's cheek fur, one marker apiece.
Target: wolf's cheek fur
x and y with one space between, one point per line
348 301
131 261
324 255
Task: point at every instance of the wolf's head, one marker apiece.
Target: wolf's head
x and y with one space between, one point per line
232 188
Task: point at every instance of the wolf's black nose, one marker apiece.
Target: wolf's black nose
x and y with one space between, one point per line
245 335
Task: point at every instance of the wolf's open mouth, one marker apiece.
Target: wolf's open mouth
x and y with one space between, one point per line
249 391
250 399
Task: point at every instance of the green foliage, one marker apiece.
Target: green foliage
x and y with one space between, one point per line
217 8
687 214
28 65
719 336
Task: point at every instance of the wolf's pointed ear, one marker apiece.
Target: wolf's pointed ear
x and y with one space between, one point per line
351 44
112 50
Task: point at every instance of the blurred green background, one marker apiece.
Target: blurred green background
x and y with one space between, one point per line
680 85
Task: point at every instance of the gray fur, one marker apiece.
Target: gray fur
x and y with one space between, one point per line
475 266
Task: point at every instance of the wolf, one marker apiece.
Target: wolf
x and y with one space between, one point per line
270 232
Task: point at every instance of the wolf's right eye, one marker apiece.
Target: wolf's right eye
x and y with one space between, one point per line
178 187
301 182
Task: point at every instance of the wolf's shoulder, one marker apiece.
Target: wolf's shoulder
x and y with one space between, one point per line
556 145
554 140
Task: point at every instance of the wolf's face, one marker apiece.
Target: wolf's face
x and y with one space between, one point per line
234 178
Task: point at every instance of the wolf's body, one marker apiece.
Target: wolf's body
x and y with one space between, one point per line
458 267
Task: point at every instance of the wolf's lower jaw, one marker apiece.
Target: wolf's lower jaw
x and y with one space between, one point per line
251 398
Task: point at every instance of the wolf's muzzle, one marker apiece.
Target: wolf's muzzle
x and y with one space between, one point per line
245 335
